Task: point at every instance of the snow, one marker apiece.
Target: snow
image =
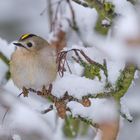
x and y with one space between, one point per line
102 110
106 22
16 137
24 116
125 110
121 28
114 70
98 135
76 86
89 13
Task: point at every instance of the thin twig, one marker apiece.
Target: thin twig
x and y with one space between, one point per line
47 110
4 58
75 27
81 3
56 14
5 114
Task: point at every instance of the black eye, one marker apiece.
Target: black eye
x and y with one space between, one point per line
29 44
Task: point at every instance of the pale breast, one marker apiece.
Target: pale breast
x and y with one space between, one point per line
32 70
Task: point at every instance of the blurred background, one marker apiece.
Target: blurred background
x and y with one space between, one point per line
22 16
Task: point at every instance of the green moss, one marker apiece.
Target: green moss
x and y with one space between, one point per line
104 10
8 75
4 59
99 28
92 71
124 81
109 7
71 127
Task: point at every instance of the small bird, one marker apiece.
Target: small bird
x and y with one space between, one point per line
33 64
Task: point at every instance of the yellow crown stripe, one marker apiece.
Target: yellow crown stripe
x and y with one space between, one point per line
24 36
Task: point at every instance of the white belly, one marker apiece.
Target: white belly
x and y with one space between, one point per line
32 72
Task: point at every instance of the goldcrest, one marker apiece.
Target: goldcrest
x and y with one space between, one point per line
33 64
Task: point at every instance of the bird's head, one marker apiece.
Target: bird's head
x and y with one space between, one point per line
31 42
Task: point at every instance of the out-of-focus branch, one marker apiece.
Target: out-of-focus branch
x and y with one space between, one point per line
89 122
81 3
106 13
133 1
47 110
60 42
50 13
124 81
74 24
122 85
4 58
109 130
6 61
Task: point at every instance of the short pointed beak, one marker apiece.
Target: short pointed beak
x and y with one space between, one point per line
18 44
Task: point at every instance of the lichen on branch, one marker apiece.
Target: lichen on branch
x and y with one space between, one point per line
6 61
4 58
105 12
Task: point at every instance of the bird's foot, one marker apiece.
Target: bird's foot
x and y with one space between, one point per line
43 92
35 91
50 89
46 91
25 92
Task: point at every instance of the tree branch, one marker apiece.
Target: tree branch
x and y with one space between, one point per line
6 61
4 58
81 3
105 11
